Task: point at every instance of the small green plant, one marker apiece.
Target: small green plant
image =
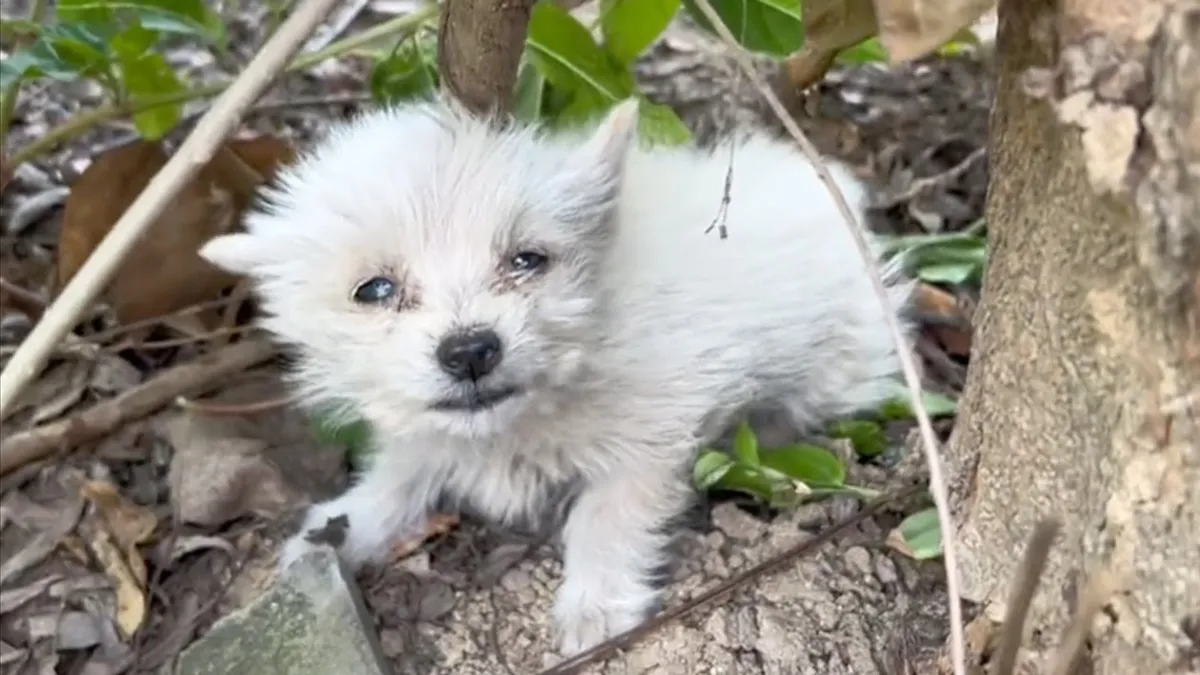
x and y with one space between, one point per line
919 536
780 477
953 258
115 44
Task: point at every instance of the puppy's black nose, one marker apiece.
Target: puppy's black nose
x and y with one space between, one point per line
469 356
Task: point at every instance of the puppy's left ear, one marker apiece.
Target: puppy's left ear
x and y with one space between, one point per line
610 141
238 253
592 178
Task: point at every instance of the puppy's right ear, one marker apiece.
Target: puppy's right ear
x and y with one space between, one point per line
239 253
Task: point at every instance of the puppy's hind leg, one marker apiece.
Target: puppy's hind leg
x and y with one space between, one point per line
616 540
391 500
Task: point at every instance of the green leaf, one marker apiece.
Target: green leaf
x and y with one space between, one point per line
659 125
809 464
756 483
530 96
565 53
867 51
187 17
920 535
407 74
133 41
629 26
897 406
949 273
710 468
868 437
148 75
745 445
771 26
63 53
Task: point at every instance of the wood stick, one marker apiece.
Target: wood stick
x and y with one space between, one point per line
159 391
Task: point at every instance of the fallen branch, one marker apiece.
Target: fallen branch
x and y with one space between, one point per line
192 154
158 392
722 590
929 443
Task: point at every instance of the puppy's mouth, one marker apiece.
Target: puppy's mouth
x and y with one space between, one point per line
476 400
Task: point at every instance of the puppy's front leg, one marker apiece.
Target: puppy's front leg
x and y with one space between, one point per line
616 538
392 499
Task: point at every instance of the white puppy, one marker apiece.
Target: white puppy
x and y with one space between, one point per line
543 323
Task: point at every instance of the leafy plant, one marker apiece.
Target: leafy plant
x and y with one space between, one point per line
919 536
953 258
769 26
780 477
114 44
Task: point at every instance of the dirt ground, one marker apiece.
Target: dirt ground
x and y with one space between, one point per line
190 506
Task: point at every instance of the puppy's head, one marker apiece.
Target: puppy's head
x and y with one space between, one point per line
435 270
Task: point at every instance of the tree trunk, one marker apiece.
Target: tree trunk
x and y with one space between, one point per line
1084 389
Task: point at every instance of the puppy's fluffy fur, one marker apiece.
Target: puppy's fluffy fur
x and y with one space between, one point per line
642 335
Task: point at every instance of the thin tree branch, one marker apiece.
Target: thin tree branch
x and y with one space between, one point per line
195 151
929 443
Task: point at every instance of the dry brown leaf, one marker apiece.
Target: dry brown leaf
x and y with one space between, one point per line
217 474
909 29
437 525
829 27
163 272
50 532
131 598
949 323
129 524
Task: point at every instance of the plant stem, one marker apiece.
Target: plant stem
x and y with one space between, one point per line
83 121
8 97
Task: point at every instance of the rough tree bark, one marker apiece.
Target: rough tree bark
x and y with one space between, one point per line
1084 390
479 50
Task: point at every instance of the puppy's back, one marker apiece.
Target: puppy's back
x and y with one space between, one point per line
780 309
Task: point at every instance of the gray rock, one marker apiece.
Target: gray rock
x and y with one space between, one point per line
312 621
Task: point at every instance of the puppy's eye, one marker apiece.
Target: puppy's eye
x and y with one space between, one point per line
528 261
375 291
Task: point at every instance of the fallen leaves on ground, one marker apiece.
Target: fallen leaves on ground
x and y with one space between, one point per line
113 537
50 526
266 464
437 525
163 272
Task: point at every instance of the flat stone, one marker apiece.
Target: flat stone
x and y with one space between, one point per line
312 621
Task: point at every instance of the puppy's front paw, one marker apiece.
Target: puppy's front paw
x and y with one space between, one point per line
317 530
294 548
584 620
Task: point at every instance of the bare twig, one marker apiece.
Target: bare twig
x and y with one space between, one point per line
236 409
717 593
1021 597
1100 587
104 417
194 153
929 440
